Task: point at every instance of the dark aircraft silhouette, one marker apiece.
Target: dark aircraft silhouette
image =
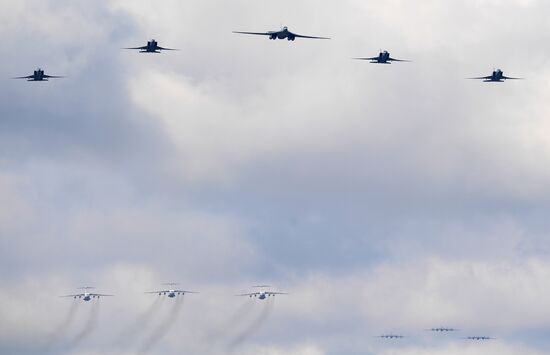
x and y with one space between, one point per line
442 330
383 58
390 336
478 338
496 77
38 75
152 47
282 34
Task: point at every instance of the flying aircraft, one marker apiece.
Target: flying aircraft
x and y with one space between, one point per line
152 47
496 77
390 336
87 296
442 330
282 34
38 75
478 338
171 292
262 295
383 58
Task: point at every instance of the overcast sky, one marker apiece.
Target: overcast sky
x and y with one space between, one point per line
383 198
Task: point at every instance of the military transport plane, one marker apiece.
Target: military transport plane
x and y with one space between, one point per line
383 58
38 75
478 338
171 292
152 47
282 34
262 295
87 296
496 77
442 330
390 336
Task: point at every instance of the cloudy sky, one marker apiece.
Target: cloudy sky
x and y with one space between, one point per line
384 198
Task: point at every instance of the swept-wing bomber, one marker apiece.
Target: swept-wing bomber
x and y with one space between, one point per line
282 34
383 58
263 294
87 296
172 292
152 47
496 77
38 75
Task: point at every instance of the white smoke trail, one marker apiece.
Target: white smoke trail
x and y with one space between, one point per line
140 324
89 326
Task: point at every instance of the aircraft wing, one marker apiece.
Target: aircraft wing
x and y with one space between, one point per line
397 60
371 58
509 78
183 291
52 76
167 49
249 294
100 294
24 77
312 37
483 77
143 48
77 295
161 291
276 293
255 33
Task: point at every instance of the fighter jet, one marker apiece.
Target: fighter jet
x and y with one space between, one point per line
87 296
171 292
262 295
478 338
38 75
496 77
442 330
383 58
282 34
152 47
390 336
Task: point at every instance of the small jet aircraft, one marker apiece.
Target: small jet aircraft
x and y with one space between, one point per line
282 34
383 58
478 338
38 75
390 336
152 47
87 296
262 295
496 77
171 292
442 330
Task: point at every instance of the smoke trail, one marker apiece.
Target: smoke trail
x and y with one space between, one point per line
89 326
158 333
225 328
254 326
141 322
62 328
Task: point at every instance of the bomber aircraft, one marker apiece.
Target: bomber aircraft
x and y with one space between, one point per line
172 292
383 58
87 296
263 294
152 47
496 77
38 75
282 34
